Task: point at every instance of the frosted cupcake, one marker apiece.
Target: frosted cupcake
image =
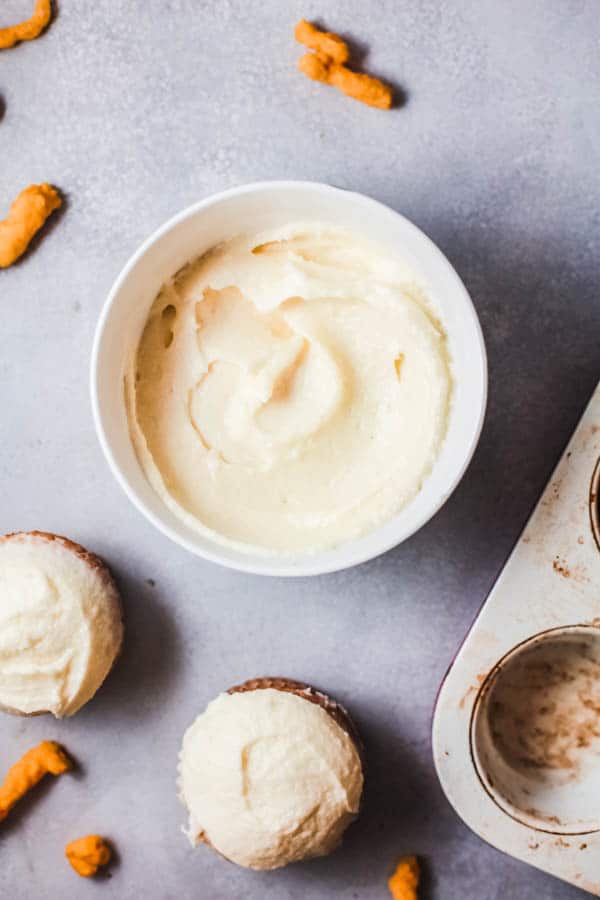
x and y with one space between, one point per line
61 624
271 773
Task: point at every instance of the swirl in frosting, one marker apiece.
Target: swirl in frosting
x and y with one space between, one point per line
290 391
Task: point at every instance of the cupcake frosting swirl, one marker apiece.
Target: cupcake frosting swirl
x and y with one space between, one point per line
290 390
269 778
60 625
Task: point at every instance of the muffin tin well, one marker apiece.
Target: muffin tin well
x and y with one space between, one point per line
516 732
535 732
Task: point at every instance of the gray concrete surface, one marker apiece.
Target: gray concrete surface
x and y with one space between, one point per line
136 109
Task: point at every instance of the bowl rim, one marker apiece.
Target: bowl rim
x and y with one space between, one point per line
282 565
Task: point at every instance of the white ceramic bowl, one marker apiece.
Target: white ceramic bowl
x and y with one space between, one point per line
251 208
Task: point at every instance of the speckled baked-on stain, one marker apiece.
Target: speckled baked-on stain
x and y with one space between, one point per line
560 567
577 573
473 688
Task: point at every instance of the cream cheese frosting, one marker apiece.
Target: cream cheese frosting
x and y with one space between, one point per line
60 624
290 390
268 778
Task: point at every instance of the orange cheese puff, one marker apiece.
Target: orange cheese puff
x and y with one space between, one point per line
27 215
47 757
361 87
27 31
325 43
87 854
404 882
315 67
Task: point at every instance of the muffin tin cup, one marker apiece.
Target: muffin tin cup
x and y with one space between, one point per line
516 731
535 731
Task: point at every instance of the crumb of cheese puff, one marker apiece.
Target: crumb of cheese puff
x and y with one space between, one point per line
87 854
404 882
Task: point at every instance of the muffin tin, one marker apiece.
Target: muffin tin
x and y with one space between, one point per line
516 732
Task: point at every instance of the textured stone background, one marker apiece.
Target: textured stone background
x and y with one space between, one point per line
136 109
